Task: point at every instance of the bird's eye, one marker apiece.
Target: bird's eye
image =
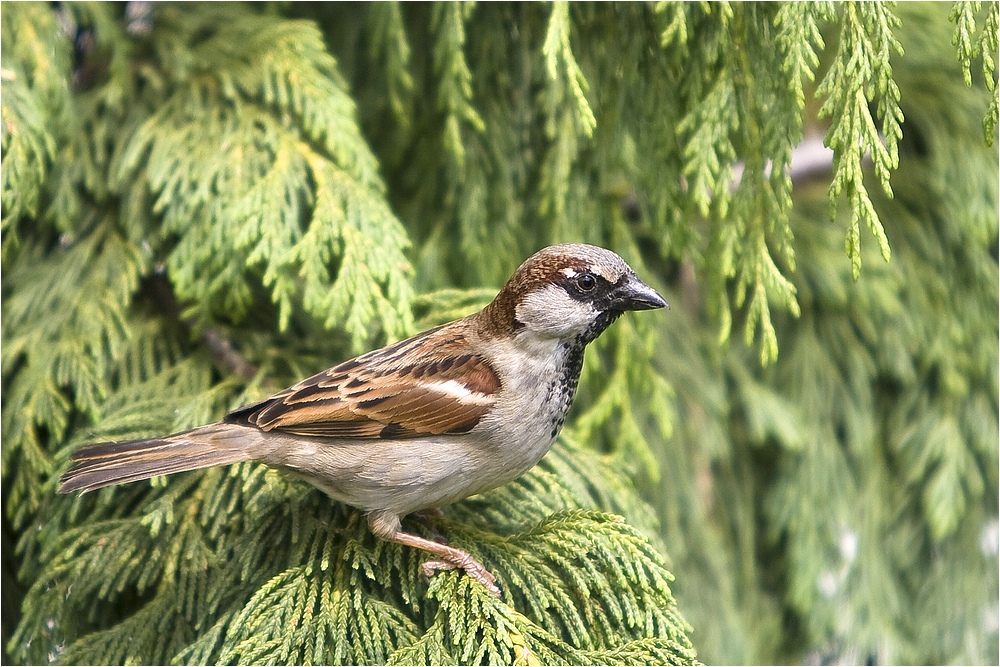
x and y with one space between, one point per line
586 282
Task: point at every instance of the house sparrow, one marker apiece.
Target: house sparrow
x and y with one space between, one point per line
451 412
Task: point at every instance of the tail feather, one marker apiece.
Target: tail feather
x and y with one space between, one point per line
107 463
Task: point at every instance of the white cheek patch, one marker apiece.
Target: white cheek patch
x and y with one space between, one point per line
551 311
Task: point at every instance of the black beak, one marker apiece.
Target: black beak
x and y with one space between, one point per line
636 295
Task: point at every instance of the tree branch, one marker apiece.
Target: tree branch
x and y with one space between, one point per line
227 358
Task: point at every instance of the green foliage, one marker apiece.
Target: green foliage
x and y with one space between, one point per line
455 88
984 46
203 203
70 329
35 113
853 483
860 72
275 144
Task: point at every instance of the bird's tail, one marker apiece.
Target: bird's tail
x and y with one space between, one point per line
108 463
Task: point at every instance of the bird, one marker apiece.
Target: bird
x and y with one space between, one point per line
451 412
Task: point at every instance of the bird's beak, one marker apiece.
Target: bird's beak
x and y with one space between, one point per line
636 295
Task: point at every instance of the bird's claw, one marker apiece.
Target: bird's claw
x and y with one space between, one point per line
472 567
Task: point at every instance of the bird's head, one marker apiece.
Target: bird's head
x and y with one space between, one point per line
570 291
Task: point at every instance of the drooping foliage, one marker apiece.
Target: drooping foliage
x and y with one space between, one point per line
202 203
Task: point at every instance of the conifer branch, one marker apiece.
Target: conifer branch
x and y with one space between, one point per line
970 47
862 73
221 348
455 92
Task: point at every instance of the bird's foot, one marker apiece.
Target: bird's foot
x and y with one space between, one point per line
386 525
472 567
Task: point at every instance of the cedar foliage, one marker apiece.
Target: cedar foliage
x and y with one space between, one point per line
204 203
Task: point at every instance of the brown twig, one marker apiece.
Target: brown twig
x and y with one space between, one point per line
223 352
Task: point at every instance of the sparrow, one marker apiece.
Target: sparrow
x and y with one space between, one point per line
451 412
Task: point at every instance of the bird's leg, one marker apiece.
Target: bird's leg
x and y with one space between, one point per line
451 558
429 513
428 518
387 526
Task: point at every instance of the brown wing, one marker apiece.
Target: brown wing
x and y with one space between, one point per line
428 384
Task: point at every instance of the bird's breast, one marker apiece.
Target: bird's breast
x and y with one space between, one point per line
539 379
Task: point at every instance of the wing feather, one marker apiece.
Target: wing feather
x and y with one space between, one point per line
429 384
